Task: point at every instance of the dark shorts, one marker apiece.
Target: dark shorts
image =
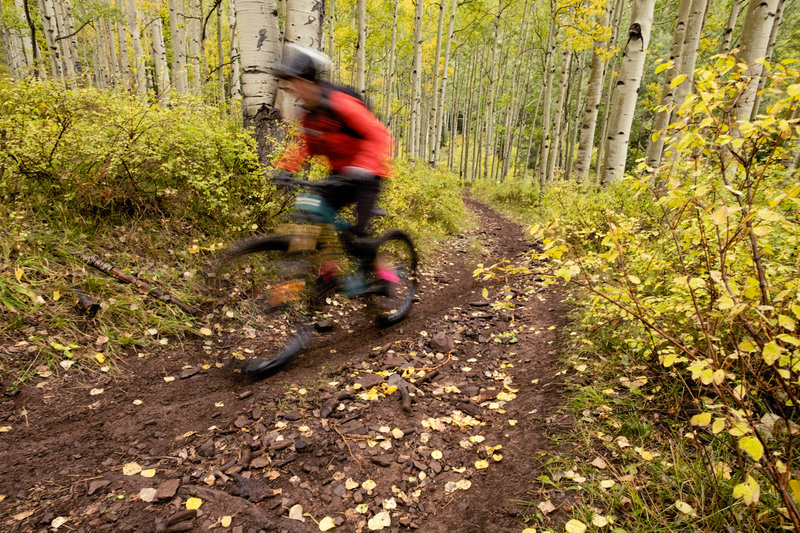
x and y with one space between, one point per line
363 192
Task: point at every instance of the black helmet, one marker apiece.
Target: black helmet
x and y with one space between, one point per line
303 62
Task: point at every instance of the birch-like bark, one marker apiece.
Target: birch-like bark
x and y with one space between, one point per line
110 50
512 116
392 53
773 36
177 29
552 155
220 56
609 83
50 30
727 34
594 93
430 132
235 85
754 40
575 102
124 54
161 71
655 145
64 32
416 82
549 72
303 26
137 67
260 49
630 77
70 36
490 151
361 46
102 71
194 28
443 87
12 44
24 34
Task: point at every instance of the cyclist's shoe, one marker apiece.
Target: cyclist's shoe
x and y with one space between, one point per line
329 278
354 284
387 282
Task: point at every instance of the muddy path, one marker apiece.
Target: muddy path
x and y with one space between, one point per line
326 442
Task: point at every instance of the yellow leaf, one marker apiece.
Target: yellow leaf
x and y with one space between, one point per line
150 472
480 465
752 446
56 295
368 485
18 273
193 503
702 420
485 293
599 520
436 454
771 352
326 524
296 513
575 526
529 530
131 469
718 425
100 358
380 521
749 491
205 331
677 80
225 521
684 507
795 486
662 67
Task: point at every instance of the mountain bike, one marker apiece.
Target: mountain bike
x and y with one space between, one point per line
292 277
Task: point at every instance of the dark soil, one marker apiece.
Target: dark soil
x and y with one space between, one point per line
252 451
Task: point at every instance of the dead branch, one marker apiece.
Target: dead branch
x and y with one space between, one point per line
114 272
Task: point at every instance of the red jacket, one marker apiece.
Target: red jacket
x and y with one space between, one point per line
346 132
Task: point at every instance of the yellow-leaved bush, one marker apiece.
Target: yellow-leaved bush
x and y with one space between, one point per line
698 263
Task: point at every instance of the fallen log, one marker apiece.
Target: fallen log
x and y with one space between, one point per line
114 272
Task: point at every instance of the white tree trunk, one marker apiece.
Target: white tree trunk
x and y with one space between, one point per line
161 72
102 71
387 99
63 41
443 87
50 29
71 42
177 29
416 82
303 27
430 140
12 41
593 96
110 50
655 145
549 72
773 36
24 34
727 33
236 74
137 68
630 77
361 46
753 48
493 83
194 27
555 146
260 49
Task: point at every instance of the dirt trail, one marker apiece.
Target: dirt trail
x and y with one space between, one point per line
461 459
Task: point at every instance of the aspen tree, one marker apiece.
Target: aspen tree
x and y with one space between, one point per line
430 131
625 97
727 34
443 87
390 74
754 40
124 57
138 68
609 83
549 72
161 71
361 46
575 101
773 36
111 51
194 46
235 85
50 30
259 42
592 105
552 154
416 82
180 77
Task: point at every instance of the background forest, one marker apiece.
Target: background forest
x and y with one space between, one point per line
651 145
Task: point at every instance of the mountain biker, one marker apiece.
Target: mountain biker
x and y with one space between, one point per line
339 126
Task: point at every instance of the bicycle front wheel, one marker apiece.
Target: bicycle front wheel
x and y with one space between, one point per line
396 272
274 290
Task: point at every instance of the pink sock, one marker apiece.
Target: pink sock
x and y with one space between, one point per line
388 274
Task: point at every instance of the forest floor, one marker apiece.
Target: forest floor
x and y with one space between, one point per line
308 448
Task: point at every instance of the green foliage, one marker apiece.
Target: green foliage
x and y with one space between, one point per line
693 280
93 153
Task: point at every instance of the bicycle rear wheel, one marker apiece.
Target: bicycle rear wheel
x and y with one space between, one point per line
396 261
275 291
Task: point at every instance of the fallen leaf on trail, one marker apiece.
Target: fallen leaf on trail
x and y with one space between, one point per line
436 454
389 503
512 422
480 465
477 438
205 331
150 472
169 378
100 358
131 469
326 524
2 497
546 507
147 494
362 508
137 402
296 513
600 463
22 516
225 521
529 530
684 507
219 404
398 433
607 483
368 485
193 503
5 429
752 446
350 484
379 521
58 522
599 520
574 526
66 363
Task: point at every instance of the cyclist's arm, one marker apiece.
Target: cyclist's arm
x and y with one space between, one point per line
377 141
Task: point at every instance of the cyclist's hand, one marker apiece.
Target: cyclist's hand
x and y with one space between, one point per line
283 178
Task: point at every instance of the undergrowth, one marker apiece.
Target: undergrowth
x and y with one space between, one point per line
155 192
685 364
